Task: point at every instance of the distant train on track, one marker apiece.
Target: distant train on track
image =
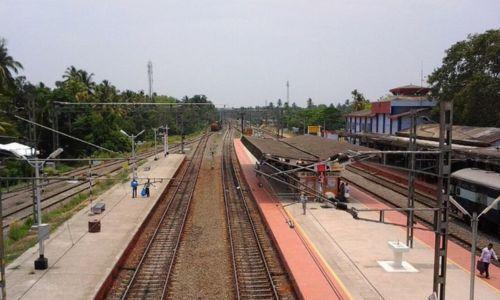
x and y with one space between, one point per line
215 126
475 189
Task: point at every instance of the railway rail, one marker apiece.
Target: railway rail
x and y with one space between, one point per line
18 205
458 231
151 275
253 274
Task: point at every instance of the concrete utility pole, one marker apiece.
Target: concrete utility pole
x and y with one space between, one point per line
155 130
43 229
165 141
441 218
132 140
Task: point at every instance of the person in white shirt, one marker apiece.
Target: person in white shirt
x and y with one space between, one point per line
303 200
347 191
486 255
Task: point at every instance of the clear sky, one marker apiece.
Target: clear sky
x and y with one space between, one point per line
242 52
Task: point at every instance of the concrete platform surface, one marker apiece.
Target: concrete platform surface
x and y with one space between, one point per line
352 249
311 277
80 261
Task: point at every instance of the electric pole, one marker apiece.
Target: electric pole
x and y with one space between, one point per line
412 146
441 218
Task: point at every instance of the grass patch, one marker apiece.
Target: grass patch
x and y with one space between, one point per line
20 237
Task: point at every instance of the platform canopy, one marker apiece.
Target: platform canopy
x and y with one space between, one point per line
19 149
302 148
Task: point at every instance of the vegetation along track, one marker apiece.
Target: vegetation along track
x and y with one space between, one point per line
258 272
18 205
150 276
458 232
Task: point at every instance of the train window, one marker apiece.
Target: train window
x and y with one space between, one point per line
457 190
481 198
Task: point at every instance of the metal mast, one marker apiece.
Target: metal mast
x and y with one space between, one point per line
287 92
150 80
443 194
412 146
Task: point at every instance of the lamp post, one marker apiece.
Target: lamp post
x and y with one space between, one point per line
474 220
132 139
165 141
155 130
41 263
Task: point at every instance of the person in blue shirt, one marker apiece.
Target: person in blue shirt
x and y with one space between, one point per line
134 185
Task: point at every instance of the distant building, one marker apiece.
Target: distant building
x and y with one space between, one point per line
391 114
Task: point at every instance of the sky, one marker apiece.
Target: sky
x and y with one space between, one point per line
241 53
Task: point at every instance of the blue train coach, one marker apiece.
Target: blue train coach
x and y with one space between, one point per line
475 189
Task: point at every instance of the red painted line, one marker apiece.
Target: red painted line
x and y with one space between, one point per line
456 253
307 274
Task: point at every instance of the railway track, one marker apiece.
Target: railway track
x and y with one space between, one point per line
18 205
458 231
254 277
151 275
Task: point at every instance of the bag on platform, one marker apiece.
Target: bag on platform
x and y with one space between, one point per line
480 266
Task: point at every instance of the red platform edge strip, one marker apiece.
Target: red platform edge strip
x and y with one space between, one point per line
317 282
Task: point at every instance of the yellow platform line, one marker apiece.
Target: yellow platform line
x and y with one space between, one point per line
318 253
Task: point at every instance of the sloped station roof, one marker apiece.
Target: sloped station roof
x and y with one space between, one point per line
303 147
466 135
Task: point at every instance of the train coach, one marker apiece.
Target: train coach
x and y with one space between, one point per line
475 189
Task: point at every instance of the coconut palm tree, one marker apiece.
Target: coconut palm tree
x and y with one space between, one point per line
8 66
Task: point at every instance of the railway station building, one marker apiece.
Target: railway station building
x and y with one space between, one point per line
392 113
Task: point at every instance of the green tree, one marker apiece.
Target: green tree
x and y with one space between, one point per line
8 66
470 77
359 101
310 103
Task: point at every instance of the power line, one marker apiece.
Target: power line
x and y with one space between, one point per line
64 134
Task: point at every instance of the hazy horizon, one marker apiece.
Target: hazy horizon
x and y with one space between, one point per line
242 52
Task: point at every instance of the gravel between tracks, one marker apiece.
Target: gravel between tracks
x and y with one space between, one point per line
203 269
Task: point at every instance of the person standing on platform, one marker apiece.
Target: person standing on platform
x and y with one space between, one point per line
347 190
486 255
341 192
134 185
303 200
146 188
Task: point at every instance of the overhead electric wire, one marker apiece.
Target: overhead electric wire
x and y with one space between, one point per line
64 134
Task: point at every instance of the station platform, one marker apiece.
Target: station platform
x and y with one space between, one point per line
79 261
311 277
352 249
